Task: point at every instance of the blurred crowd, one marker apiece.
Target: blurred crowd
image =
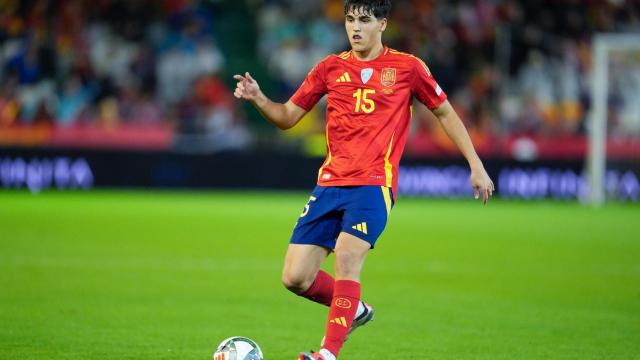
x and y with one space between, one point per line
112 64
509 67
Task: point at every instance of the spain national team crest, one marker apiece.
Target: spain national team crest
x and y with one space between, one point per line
388 77
366 74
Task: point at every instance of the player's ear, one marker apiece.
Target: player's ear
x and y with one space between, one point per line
383 24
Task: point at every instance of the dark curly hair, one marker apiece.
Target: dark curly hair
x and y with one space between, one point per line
378 8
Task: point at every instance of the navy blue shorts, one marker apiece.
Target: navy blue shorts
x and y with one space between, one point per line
361 211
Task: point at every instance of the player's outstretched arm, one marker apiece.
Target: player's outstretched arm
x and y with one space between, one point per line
455 129
284 116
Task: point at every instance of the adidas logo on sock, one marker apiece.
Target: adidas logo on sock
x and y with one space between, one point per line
340 321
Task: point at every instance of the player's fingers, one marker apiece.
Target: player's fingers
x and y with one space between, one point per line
476 192
485 196
239 77
248 76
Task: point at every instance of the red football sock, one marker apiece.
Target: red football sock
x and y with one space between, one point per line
346 296
321 291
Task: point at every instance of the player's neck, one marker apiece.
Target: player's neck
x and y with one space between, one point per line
369 54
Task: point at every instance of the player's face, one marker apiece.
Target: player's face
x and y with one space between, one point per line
364 30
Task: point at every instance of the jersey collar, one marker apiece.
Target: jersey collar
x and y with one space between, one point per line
385 50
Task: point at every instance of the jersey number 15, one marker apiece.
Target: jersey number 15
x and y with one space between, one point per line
363 103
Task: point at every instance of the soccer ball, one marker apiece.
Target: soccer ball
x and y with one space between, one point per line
238 348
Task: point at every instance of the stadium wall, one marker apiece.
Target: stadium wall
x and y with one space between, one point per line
38 170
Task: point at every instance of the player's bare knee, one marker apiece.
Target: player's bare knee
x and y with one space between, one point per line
296 282
348 264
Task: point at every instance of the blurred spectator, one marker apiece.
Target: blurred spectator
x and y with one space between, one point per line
25 64
9 104
74 98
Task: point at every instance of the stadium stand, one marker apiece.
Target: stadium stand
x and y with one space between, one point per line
156 75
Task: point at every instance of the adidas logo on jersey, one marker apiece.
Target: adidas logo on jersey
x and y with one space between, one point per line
362 227
344 78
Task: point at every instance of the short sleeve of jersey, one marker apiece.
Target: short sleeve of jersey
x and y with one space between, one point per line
312 89
425 87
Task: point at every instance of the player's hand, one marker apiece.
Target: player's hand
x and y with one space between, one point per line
482 184
247 88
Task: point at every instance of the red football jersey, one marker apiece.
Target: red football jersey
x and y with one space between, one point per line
368 113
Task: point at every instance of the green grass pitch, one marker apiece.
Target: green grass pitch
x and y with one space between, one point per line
152 275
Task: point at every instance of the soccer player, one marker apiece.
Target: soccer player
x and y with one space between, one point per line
369 95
